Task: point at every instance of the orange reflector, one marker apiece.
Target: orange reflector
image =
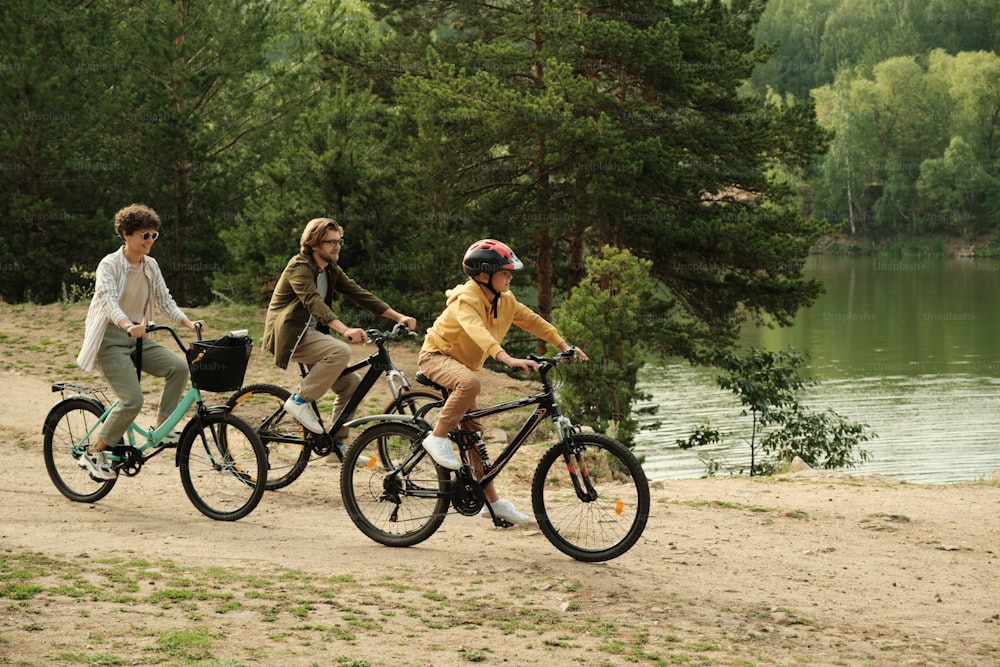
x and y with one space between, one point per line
619 508
371 463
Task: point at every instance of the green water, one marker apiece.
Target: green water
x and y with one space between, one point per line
908 346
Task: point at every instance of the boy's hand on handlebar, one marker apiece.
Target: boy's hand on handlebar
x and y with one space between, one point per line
519 365
578 354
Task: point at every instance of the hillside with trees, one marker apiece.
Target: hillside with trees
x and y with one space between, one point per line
911 89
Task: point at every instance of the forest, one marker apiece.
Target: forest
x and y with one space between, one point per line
717 140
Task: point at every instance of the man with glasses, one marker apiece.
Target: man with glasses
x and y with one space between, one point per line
300 318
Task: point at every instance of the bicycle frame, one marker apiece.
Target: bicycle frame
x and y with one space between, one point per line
547 407
378 363
150 437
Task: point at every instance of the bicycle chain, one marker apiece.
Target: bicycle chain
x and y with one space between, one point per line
467 496
321 443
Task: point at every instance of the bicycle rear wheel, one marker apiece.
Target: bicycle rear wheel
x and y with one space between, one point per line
393 497
261 406
223 466
593 504
64 430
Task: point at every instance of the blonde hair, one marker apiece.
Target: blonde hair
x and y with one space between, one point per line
314 232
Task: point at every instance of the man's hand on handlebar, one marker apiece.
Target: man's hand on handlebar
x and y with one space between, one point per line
356 335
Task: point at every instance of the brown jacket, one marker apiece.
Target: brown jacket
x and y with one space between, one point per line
296 298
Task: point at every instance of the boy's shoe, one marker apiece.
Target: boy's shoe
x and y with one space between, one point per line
506 511
440 450
304 414
96 463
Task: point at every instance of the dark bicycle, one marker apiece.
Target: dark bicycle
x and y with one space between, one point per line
289 445
589 493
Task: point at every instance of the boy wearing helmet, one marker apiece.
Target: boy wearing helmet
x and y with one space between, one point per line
478 316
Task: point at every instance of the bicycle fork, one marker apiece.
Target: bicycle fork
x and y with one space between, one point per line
575 463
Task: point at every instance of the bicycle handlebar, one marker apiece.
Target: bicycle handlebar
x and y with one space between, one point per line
547 363
377 336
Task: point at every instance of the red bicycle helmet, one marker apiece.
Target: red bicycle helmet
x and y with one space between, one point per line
489 256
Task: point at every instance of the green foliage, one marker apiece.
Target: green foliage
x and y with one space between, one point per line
563 127
608 315
915 149
769 385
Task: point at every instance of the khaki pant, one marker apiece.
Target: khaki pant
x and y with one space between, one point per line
326 358
115 362
462 384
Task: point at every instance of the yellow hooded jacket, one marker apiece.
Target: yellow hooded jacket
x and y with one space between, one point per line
468 332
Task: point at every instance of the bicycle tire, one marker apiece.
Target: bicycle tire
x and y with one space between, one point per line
223 466
393 508
261 406
415 402
601 528
64 427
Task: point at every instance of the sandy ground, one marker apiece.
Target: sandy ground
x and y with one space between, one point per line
810 568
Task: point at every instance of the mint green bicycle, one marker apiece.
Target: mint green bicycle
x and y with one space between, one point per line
222 463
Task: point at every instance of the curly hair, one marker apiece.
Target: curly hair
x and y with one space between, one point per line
134 217
314 232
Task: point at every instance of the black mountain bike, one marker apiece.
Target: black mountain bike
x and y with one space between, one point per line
289 445
589 493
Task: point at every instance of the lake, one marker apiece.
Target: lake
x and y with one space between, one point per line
908 346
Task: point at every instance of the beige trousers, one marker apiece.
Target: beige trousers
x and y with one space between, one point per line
326 358
462 384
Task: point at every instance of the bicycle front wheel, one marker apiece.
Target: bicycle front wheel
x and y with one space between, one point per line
63 442
591 501
262 406
393 492
223 466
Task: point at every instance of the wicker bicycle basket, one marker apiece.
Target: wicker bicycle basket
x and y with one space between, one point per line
220 364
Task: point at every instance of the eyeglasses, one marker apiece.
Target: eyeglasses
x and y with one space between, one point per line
339 242
145 236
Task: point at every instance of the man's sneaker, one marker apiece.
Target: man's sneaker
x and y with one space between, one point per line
96 463
303 412
440 450
506 511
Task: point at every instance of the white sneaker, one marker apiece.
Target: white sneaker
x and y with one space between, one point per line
506 511
96 463
303 412
440 450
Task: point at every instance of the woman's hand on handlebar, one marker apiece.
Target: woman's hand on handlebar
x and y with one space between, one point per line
578 354
193 325
136 330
